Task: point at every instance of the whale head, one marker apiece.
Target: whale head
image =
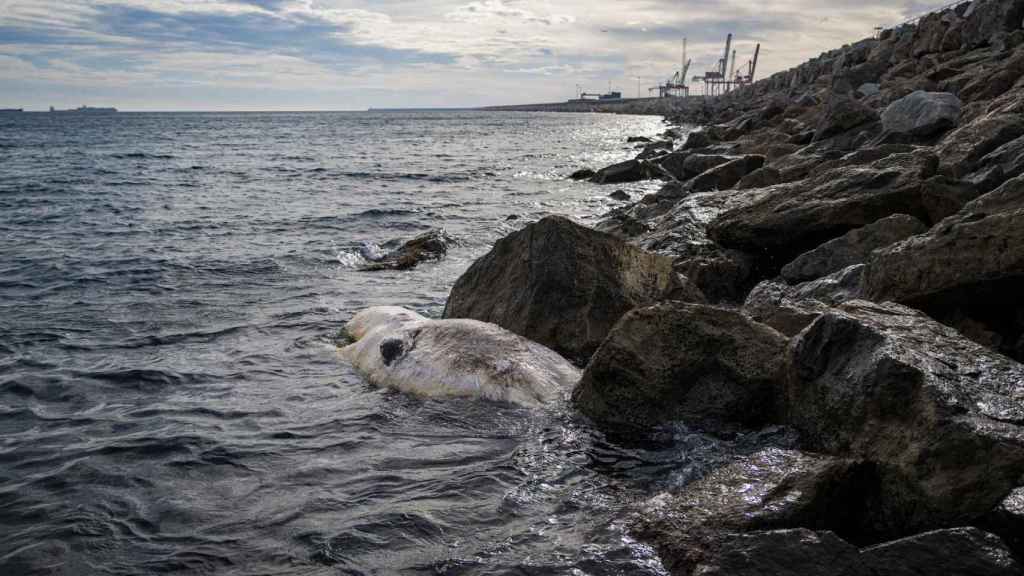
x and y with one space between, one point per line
387 317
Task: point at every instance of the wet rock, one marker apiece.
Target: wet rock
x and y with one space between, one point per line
431 245
851 248
986 19
971 264
791 308
673 164
710 367
796 217
760 178
727 175
563 285
961 551
843 113
655 149
1007 521
758 515
961 150
623 172
921 114
620 195
637 139
938 415
582 174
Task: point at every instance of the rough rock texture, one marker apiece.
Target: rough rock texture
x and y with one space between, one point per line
986 19
970 265
1007 521
760 178
563 285
961 150
725 176
940 416
922 114
707 366
628 171
797 217
790 309
960 551
851 248
696 164
582 174
431 245
843 113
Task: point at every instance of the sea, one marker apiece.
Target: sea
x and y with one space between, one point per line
172 292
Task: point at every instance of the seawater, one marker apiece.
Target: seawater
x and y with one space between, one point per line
172 287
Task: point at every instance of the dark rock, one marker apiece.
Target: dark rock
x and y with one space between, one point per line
851 248
757 515
1009 157
697 139
563 285
635 139
802 138
655 149
971 264
710 367
987 179
943 196
695 164
807 100
868 89
623 172
796 217
960 551
673 164
727 175
938 415
961 150
776 105
843 113
431 245
620 195
1007 521
582 174
760 178
986 19
790 309
512 217
921 114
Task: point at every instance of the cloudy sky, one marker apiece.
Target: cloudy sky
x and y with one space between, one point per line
354 54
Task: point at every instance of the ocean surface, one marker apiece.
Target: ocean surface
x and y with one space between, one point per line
172 289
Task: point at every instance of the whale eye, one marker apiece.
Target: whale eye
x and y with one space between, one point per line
391 349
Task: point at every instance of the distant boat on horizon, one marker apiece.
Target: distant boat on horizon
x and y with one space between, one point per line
85 110
2 110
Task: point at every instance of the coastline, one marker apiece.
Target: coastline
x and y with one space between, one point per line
847 261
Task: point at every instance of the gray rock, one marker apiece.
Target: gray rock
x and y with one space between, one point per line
851 248
922 114
760 178
796 217
961 150
938 415
942 196
563 285
960 551
620 195
697 139
843 113
655 149
790 309
673 164
695 164
582 174
1007 521
727 175
986 19
710 367
868 89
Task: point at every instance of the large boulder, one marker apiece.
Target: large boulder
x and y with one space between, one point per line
628 171
962 551
710 367
843 113
921 114
725 176
851 248
987 19
796 217
942 418
563 285
696 164
970 265
961 150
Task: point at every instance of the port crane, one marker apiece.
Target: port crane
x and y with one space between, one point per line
724 78
676 85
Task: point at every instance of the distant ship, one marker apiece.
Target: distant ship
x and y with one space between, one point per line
3 110
86 110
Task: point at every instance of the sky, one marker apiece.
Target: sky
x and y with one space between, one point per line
356 54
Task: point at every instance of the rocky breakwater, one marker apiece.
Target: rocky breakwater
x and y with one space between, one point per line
836 251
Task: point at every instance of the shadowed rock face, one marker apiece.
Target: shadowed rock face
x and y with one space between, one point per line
563 285
710 367
970 266
431 245
940 416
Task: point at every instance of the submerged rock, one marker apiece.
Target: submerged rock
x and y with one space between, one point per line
563 285
710 367
431 245
582 174
941 417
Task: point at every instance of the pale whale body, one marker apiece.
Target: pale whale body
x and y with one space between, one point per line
400 349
